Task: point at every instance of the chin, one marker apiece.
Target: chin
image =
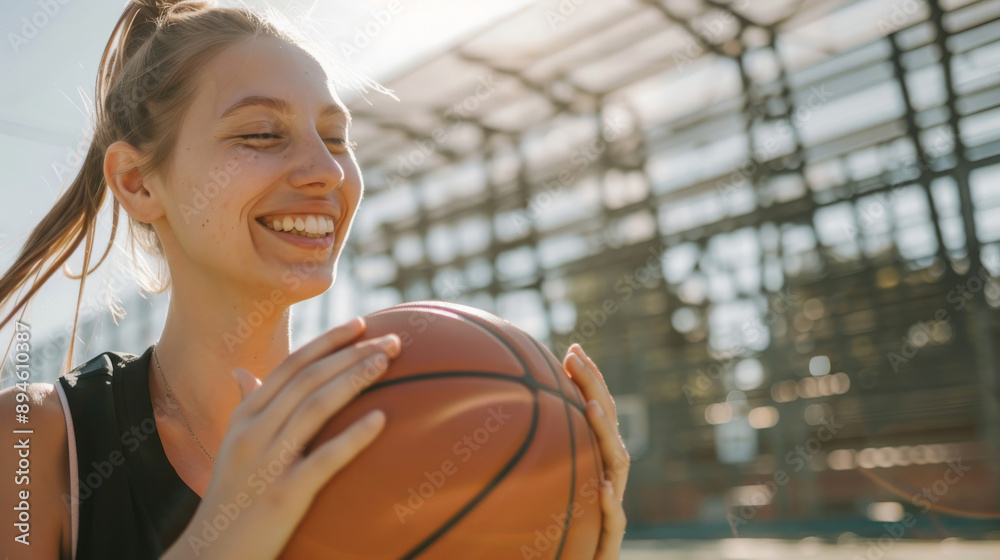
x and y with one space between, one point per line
300 286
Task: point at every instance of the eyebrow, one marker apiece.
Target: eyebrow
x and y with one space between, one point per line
280 106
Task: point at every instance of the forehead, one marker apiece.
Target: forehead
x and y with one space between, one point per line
264 72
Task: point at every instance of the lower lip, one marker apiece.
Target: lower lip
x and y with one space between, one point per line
299 241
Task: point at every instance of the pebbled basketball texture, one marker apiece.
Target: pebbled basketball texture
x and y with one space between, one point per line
486 453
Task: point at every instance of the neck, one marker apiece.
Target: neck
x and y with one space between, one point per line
211 330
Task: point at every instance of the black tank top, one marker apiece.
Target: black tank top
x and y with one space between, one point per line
132 503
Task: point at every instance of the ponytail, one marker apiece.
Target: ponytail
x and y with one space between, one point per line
145 64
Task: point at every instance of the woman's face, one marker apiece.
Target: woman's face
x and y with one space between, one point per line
263 186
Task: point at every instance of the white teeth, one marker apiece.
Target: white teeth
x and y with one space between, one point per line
312 225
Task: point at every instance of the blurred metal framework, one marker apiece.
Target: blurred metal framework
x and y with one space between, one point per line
712 197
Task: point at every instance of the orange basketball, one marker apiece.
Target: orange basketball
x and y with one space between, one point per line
486 452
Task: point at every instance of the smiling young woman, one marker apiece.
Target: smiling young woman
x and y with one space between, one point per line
221 137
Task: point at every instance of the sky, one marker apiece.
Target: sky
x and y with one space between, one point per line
49 65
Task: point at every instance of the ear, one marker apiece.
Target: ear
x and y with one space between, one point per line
128 184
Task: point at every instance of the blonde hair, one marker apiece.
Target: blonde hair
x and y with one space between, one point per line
145 83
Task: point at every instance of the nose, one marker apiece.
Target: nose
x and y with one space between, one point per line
313 165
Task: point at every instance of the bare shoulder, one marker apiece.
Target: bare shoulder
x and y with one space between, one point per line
36 497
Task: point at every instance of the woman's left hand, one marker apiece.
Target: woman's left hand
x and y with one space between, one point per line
604 420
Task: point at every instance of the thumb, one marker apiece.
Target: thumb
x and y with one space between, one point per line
247 382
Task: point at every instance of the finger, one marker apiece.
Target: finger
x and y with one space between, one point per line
578 350
326 343
304 384
320 405
246 381
612 527
589 385
613 452
316 469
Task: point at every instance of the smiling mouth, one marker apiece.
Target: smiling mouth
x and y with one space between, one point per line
313 226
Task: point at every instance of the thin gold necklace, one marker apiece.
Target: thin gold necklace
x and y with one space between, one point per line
170 396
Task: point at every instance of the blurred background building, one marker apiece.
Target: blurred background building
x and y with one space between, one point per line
774 225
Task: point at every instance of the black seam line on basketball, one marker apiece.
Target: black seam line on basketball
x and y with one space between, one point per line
534 386
594 447
572 454
476 320
430 376
528 440
594 454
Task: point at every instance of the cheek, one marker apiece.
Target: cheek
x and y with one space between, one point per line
356 189
230 187
211 210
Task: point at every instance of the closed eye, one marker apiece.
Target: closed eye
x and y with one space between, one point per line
260 136
346 143
269 136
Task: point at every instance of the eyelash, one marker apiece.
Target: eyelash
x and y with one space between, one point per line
261 136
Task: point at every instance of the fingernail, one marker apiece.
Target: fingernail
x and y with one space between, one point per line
393 345
374 418
576 360
600 409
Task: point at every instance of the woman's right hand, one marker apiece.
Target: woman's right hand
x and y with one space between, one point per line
272 425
